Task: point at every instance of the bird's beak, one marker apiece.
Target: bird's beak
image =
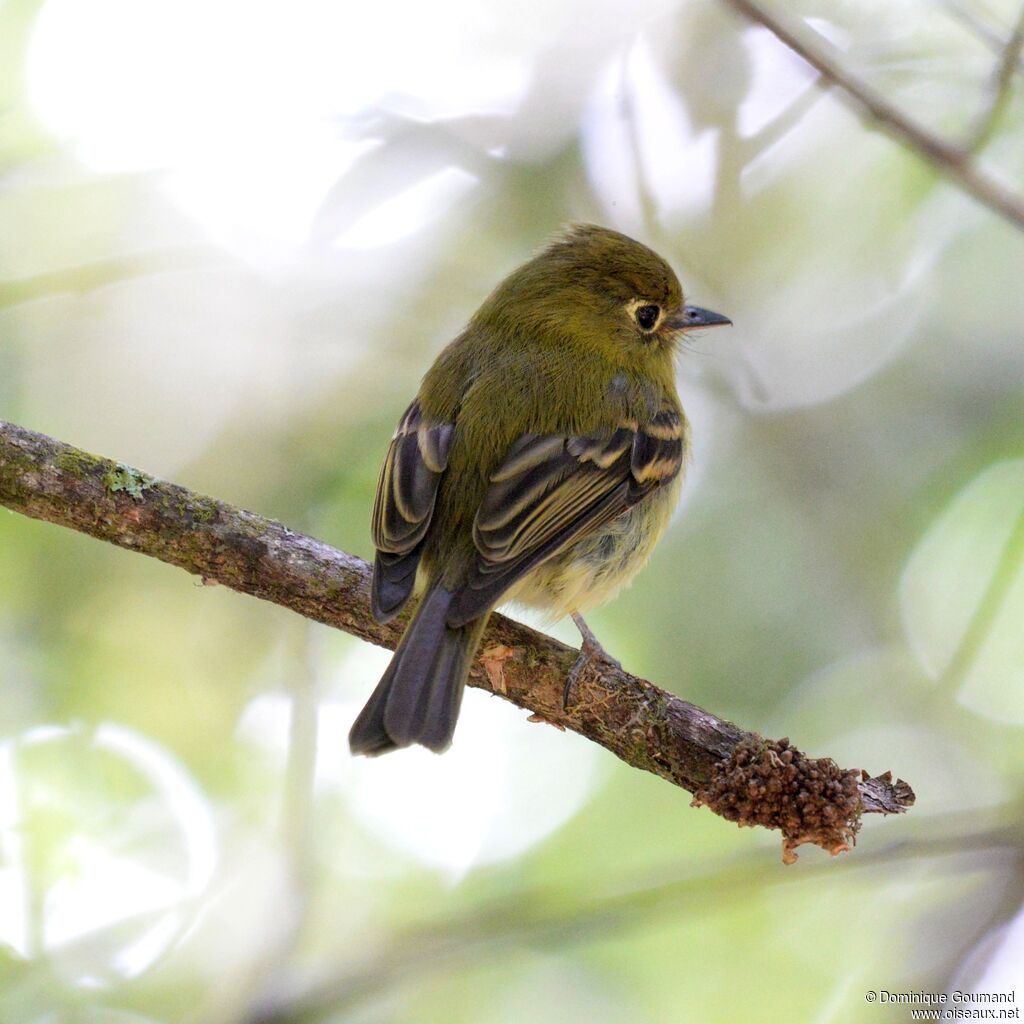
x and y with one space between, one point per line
693 317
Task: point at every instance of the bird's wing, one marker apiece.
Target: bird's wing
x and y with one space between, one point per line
552 490
406 491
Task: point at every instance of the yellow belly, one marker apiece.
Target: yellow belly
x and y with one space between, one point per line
595 568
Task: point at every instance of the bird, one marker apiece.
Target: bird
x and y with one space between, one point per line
539 464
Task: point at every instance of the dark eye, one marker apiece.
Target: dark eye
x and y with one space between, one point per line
647 316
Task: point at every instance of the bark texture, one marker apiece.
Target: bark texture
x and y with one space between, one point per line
736 773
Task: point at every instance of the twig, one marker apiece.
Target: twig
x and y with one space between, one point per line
740 775
1002 79
989 35
950 160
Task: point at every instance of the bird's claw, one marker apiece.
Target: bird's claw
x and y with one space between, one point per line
590 651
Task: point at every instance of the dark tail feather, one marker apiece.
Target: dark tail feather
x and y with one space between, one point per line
417 699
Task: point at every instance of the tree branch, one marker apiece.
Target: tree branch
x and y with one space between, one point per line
738 774
952 161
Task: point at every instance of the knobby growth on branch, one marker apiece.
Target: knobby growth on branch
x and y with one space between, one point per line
738 774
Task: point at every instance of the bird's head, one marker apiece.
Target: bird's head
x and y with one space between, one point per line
596 288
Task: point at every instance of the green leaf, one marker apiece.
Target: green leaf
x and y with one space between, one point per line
962 595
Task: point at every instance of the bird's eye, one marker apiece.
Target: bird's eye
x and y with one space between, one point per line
647 316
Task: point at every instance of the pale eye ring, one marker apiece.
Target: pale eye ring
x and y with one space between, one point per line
647 316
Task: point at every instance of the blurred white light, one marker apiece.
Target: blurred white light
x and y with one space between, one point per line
185 801
15 896
103 889
407 212
609 152
679 165
240 103
115 905
637 139
996 965
779 78
504 785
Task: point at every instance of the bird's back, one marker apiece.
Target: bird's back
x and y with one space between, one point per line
506 392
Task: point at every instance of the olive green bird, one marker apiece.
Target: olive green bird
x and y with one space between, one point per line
539 463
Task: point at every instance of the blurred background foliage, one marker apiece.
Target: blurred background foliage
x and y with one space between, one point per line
232 237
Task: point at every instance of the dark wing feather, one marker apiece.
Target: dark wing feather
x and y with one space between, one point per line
406 491
552 490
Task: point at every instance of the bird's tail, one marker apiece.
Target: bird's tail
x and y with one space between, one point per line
417 699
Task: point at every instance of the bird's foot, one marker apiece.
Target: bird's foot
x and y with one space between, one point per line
590 651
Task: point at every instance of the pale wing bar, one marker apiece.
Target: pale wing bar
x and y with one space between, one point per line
551 491
404 505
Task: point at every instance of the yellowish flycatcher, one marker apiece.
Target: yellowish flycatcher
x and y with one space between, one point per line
539 463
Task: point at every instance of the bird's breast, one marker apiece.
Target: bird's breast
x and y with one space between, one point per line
594 569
